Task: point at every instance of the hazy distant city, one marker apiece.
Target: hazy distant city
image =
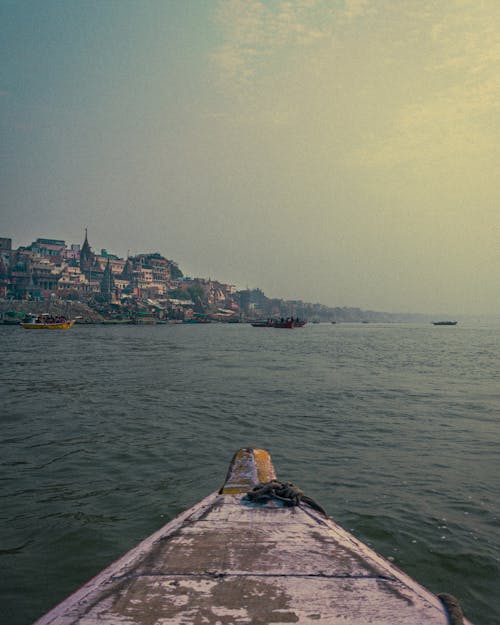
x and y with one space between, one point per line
100 286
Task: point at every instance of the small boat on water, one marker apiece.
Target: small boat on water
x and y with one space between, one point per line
258 551
48 322
198 318
287 323
261 324
444 323
12 317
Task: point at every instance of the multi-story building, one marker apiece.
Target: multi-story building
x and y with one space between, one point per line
5 256
5 250
49 266
72 279
72 254
45 275
21 279
51 248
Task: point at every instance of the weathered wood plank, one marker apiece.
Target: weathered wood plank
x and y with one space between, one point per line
245 600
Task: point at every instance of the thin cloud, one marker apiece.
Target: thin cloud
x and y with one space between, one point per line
453 122
356 8
254 33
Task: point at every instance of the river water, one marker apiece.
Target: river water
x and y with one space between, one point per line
107 432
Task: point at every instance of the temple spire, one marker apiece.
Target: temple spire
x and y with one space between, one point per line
86 255
108 282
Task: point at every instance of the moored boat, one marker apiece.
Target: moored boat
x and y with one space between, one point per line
287 323
257 551
261 324
198 318
12 317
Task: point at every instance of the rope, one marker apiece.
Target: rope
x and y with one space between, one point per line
284 491
453 609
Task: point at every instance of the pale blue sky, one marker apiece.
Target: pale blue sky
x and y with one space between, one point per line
339 151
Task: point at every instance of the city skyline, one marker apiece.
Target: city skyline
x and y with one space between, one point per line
105 287
343 152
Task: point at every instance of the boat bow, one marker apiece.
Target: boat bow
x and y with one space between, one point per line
230 560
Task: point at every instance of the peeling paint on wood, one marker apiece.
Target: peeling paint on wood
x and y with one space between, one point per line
250 466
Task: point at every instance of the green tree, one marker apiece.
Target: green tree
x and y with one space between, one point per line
175 271
196 292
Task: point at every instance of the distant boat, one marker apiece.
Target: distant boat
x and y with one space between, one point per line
47 322
262 324
12 317
444 323
288 323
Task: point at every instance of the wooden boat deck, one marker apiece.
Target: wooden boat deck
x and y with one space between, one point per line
230 561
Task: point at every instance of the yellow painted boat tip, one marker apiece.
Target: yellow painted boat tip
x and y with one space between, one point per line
250 466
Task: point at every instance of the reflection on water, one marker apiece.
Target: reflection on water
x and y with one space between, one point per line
108 432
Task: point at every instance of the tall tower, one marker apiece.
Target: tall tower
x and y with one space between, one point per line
4 278
86 256
107 283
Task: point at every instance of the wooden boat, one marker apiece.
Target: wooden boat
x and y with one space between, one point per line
279 323
262 324
444 323
45 324
234 560
12 317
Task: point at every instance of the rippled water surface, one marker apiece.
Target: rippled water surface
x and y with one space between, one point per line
108 432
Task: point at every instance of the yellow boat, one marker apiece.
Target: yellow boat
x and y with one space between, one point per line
256 552
45 325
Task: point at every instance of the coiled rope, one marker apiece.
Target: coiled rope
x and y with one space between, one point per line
283 491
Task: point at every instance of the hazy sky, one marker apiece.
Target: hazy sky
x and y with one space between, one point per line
342 151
